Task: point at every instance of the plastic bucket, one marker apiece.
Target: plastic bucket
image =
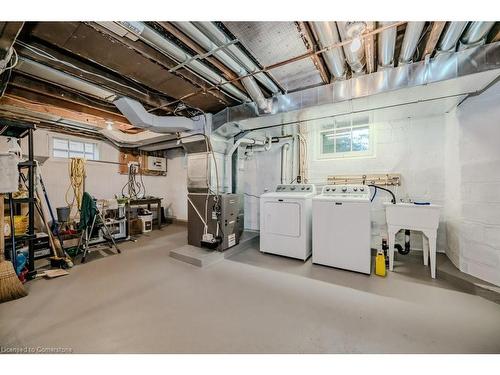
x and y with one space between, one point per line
63 214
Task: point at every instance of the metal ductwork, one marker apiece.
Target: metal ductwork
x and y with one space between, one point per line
475 34
437 84
170 49
137 115
56 77
210 29
410 41
354 52
328 35
264 105
450 36
386 45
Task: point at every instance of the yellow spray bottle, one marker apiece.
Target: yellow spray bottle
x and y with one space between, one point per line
380 264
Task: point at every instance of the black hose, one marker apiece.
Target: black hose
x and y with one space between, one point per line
393 201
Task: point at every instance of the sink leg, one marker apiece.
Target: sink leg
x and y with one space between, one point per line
425 249
431 238
392 239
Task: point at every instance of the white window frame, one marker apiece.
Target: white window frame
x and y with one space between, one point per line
321 130
69 140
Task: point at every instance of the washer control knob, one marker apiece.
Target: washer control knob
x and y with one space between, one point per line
333 189
362 189
302 188
308 188
344 189
327 189
355 189
292 188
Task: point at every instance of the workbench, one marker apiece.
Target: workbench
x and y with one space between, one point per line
148 202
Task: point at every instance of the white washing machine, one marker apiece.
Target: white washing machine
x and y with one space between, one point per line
342 227
285 221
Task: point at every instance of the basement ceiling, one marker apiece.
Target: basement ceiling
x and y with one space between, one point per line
286 52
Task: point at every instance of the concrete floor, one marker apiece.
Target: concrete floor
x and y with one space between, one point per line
147 302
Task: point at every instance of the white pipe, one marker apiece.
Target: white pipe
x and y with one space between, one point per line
220 38
170 49
386 45
284 159
410 41
228 159
327 35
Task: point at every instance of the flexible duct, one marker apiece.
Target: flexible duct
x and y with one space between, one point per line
328 35
137 115
354 52
451 35
410 41
386 45
170 49
221 39
228 159
475 34
249 83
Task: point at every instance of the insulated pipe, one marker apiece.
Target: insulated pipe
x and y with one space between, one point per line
221 38
249 83
354 51
284 159
328 35
410 41
386 45
451 35
229 155
475 34
170 49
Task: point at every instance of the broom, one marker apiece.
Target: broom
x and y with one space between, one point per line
10 286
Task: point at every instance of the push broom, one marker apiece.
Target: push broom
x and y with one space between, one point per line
10 286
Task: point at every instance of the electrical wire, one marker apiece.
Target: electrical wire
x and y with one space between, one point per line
16 57
393 200
77 174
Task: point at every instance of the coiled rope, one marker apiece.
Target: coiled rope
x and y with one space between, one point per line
77 176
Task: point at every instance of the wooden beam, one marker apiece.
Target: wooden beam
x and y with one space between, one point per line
92 120
89 73
312 46
8 35
430 46
226 72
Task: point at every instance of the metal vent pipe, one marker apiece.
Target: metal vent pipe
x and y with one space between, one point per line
475 34
410 41
451 35
170 49
220 38
386 45
354 52
206 43
327 35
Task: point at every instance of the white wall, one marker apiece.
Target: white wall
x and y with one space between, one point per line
412 147
103 180
474 189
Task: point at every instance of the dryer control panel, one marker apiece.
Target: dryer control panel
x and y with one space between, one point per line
346 190
296 188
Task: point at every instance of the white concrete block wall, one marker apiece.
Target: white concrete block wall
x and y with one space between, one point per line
474 223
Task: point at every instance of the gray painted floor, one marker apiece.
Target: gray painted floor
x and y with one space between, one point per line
145 301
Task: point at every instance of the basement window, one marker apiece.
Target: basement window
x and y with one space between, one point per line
69 148
345 138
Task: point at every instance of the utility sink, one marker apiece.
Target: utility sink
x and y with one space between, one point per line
410 215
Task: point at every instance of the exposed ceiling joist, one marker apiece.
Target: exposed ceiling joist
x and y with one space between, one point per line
8 34
21 105
430 46
312 45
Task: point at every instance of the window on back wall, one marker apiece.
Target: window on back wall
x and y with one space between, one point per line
345 138
69 148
